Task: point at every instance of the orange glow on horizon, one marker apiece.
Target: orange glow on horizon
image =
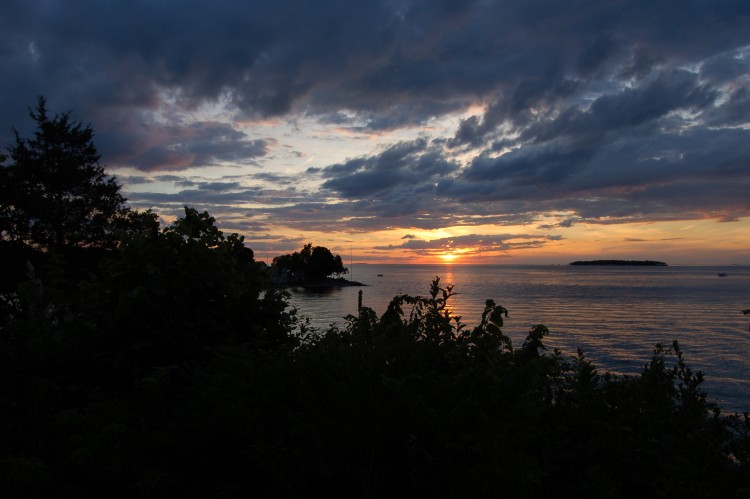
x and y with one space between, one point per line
448 257
701 242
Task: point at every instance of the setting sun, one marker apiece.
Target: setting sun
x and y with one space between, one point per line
448 257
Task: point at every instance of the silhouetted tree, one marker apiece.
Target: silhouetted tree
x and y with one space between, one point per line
186 286
55 193
311 264
323 263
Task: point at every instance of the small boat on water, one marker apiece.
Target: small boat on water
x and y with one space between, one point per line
722 274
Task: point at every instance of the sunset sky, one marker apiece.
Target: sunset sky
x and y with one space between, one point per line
411 131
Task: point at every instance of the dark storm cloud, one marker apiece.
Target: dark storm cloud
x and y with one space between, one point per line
376 57
628 109
664 173
407 166
202 185
221 195
609 111
160 147
365 216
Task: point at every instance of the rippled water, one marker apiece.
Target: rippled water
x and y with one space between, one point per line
617 314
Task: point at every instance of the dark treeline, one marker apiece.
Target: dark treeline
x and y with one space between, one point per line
139 361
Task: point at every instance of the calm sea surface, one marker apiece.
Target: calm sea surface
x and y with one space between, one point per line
616 314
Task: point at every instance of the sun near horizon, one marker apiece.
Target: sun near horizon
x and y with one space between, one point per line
448 257
702 242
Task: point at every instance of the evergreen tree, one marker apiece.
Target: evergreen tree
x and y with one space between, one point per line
54 192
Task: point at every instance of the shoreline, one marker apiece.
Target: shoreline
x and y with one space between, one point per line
318 284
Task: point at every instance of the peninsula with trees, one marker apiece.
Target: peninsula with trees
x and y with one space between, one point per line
312 266
634 263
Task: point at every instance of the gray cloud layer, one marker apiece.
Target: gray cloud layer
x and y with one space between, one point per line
604 111
474 243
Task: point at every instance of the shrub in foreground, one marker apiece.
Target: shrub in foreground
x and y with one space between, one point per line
410 403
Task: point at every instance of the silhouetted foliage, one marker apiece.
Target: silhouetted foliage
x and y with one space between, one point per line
185 287
55 193
60 212
155 389
87 378
310 264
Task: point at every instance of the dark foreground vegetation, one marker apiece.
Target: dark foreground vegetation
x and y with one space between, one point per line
139 361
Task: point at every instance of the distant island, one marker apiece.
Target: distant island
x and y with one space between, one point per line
642 263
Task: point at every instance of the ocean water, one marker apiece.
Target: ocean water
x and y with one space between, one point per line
616 314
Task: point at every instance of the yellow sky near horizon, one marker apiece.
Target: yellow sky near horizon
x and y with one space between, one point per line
697 242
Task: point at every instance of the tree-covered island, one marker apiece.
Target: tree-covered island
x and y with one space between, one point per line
146 361
312 266
635 263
